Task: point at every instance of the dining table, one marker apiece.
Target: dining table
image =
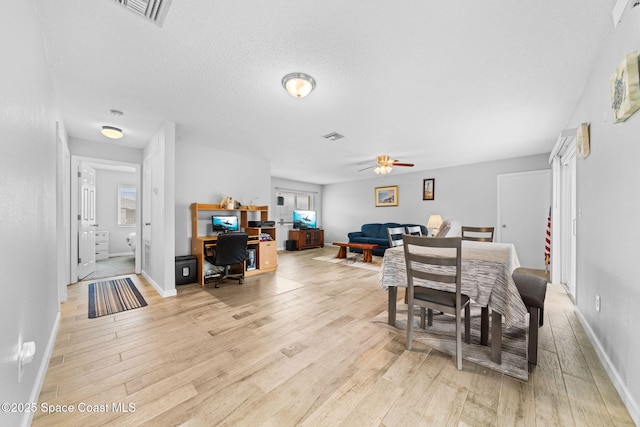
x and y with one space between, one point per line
486 279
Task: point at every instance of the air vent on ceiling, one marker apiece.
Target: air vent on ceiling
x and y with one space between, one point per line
333 136
154 10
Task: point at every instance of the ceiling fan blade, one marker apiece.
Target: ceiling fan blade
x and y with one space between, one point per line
368 167
402 164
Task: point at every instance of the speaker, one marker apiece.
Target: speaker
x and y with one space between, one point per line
251 259
291 245
268 224
255 224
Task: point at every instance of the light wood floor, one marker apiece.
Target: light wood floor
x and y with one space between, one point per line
298 347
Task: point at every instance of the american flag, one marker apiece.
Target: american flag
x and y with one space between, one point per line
547 242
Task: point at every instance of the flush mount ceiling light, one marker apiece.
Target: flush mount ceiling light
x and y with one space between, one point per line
298 85
112 132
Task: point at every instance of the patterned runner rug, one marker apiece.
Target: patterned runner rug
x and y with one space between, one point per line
113 296
441 337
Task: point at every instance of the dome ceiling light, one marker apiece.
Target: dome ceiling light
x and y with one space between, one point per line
112 132
298 85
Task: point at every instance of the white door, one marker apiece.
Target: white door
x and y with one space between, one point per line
568 222
86 221
524 202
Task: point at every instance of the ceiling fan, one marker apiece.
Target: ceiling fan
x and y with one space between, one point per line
384 165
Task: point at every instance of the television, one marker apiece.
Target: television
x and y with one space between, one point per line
224 223
304 219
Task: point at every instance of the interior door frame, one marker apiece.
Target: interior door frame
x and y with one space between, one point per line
75 162
563 150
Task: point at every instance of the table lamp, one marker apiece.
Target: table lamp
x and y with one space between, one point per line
435 221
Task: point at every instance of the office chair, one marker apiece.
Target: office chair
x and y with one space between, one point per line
230 250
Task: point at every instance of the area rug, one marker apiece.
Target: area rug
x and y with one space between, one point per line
441 337
355 260
113 296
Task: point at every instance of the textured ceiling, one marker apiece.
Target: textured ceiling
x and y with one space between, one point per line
436 83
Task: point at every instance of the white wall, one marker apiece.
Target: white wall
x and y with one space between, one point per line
104 151
159 253
608 238
205 175
107 182
464 193
28 261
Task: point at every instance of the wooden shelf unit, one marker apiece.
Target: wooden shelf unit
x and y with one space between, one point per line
266 251
310 238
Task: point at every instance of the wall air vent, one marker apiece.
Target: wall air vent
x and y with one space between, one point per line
154 10
332 136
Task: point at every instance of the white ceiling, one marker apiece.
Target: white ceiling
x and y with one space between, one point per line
436 83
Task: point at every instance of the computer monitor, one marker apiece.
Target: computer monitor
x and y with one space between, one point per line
224 223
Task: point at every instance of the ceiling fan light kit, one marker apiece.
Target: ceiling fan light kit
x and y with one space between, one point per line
385 165
298 85
383 170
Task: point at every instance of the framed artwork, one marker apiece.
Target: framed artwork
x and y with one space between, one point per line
582 141
387 196
429 189
625 88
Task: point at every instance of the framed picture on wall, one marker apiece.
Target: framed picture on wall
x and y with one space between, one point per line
387 196
429 189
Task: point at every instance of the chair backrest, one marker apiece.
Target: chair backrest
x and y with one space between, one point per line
395 236
231 248
414 230
436 266
477 234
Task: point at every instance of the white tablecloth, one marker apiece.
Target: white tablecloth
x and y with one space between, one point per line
486 276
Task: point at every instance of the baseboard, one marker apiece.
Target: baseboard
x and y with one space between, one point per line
162 292
42 370
625 395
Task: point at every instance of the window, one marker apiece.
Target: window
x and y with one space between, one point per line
294 201
126 205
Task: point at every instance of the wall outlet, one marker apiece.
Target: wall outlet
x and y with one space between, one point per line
598 303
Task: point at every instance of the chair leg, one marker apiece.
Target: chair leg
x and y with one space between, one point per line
458 343
409 326
430 317
422 317
467 324
541 322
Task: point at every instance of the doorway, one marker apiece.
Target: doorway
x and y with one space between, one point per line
116 240
564 233
524 201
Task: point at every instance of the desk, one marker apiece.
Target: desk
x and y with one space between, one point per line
266 251
486 279
266 254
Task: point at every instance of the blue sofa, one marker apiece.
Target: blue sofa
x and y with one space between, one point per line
376 233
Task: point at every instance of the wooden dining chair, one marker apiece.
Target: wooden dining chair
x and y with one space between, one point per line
395 236
444 268
477 234
414 230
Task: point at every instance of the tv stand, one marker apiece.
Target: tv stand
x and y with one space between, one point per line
307 238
